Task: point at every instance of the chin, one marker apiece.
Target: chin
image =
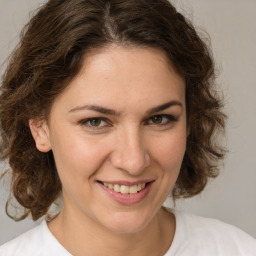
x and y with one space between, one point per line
127 222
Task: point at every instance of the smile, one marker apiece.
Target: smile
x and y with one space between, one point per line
126 194
123 189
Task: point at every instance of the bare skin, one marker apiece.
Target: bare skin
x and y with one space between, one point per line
144 242
121 121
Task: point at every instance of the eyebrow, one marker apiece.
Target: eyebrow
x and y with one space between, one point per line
96 108
113 112
164 106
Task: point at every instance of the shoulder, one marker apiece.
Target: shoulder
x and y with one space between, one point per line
37 242
205 236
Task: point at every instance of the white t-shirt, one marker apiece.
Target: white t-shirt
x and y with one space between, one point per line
194 236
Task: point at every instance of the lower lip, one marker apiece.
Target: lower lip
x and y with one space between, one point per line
127 199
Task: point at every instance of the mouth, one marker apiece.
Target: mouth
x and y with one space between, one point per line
125 189
126 193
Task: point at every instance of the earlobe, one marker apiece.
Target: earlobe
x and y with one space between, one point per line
40 132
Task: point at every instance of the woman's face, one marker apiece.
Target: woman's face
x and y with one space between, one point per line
118 135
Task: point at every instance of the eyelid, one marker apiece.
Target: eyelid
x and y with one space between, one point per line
171 119
92 118
84 122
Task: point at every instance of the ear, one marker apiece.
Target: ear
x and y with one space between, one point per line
40 132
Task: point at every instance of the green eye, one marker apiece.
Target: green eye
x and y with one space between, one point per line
157 119
161 119
95 122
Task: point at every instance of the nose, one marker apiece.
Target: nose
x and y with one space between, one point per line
130 154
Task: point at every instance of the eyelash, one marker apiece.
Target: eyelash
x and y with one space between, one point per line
148 121
170 119
86 122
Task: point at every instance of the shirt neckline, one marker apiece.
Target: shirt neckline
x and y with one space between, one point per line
170 251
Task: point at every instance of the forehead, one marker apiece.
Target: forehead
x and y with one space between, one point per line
131 63
119 76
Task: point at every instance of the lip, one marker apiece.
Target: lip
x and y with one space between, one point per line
127 199
127 183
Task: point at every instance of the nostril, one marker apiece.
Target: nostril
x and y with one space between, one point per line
131 158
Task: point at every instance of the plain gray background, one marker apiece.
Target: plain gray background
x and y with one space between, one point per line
232 28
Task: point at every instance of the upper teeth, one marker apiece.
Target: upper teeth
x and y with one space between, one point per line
123 189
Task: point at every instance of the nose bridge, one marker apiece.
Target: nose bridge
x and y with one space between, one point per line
130 152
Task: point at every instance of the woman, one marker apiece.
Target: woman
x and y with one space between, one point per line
111 105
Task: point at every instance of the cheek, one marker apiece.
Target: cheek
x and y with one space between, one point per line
169 151
77 157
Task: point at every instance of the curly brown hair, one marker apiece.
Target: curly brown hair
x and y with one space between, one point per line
50 53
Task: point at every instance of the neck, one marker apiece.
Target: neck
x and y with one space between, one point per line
79 236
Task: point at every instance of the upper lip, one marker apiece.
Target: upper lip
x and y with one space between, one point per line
127 183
